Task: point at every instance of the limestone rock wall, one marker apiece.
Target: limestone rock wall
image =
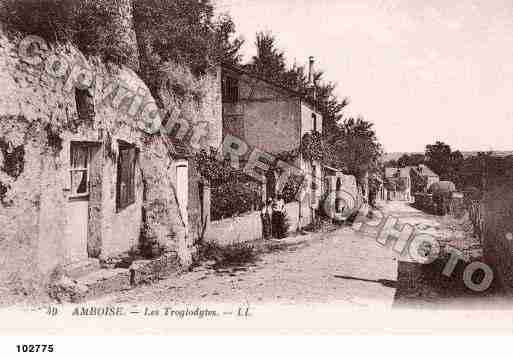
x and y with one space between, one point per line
38 122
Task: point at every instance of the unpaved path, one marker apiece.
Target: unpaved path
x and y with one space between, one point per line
345 267
336 267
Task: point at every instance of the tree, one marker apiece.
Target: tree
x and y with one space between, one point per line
444 162
413 159
97 28
142 34
355 145
228 47
184 32
270 63
438 158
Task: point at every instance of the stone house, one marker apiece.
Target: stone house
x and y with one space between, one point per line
80 177
273 119
422 178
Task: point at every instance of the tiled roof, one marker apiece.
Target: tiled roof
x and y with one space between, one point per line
291 91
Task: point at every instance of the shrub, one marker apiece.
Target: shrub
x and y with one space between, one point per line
291 188
229 255
87 24
234 198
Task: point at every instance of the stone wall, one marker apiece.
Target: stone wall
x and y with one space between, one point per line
307 120
248 227
497 213
265 117
195 104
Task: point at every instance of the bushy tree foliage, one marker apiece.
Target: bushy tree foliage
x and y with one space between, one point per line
85 23
355 145
185 32
413 159
443 161
270 63
181 31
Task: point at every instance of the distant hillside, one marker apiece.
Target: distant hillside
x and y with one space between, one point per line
396 155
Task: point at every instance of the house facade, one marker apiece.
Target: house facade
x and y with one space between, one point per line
403 183
272 119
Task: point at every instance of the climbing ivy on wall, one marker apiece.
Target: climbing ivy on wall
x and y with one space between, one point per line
215 171
287 156
312 147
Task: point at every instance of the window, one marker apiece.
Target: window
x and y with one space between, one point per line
125 187
85 105
80 157
182 189
230 89
314 122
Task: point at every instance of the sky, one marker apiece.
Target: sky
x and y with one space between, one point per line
420 70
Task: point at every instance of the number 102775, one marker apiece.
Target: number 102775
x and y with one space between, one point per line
35 348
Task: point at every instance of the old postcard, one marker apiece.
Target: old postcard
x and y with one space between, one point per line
265 167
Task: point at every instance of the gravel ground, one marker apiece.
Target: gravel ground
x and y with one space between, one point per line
337 267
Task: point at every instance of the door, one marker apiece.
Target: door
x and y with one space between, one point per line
78 202
182 190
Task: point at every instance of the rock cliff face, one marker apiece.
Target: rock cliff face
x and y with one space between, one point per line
124 30
43 115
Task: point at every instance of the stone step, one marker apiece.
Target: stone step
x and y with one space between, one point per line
104 281
85 283
81 268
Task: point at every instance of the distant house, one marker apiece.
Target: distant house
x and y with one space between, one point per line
402 183
422 178
398 183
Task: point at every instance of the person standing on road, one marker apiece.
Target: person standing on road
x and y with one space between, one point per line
278 219
265 214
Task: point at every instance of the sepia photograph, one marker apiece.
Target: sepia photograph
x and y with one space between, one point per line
255 167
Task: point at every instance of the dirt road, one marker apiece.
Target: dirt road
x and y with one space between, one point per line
339 267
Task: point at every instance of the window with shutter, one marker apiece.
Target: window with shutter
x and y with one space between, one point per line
125 187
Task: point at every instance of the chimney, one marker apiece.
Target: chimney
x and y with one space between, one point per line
311 82
311 61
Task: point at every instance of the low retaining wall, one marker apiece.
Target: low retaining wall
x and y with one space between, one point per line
248 227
